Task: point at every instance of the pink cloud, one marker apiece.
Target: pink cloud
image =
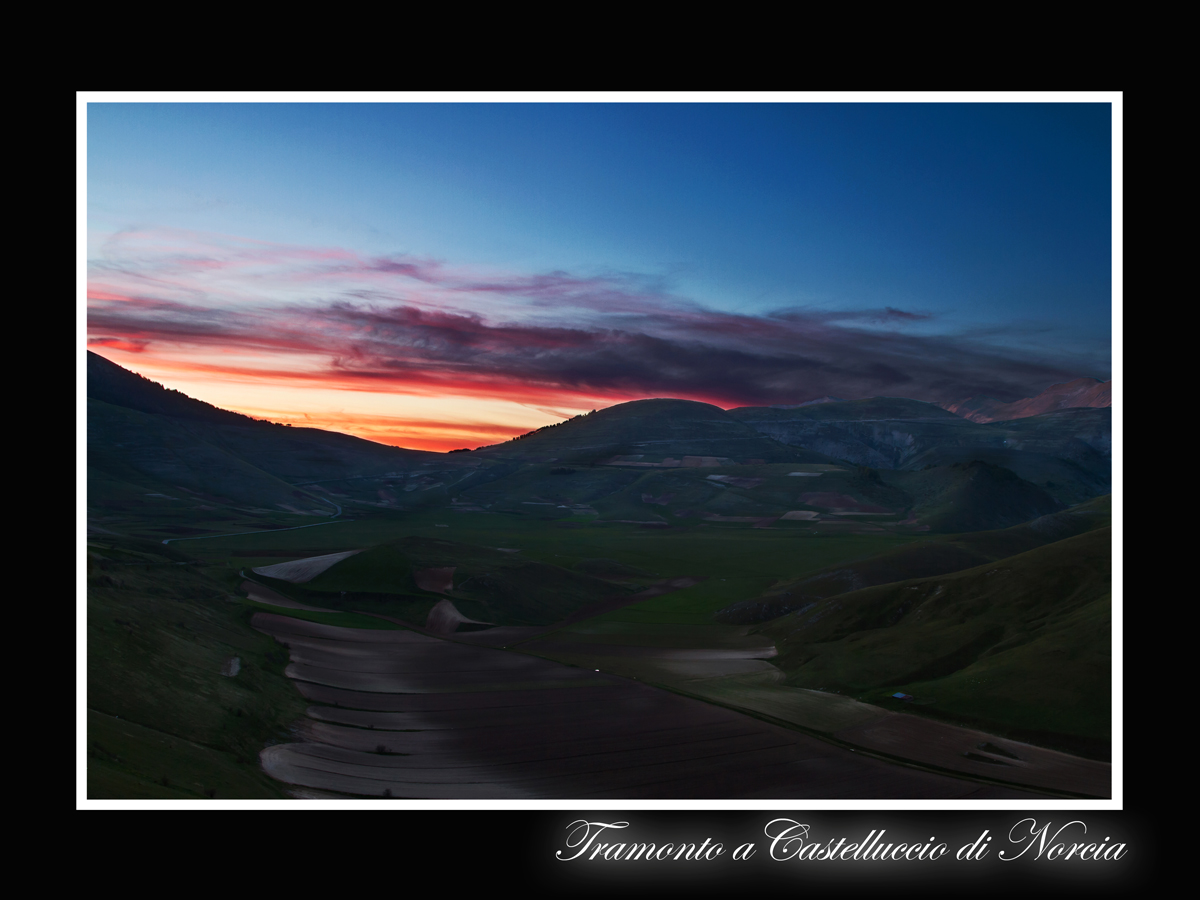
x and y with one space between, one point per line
545 339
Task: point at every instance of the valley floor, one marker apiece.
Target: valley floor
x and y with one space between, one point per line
643 696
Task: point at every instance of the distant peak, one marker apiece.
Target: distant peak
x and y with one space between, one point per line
812 402
1082 392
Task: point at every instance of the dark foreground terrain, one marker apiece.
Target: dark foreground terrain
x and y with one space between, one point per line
661 599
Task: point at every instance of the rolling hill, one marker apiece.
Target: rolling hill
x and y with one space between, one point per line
882 432
939 556
652 431
142 436
292 454
484 584
972 496
1067 453
1020 647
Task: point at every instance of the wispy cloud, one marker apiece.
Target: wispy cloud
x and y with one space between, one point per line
396 324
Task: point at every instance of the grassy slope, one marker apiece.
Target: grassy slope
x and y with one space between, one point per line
292 454
341 619
969 496
142 448
1069 481
488 585
647 495
158 636
973 496
737 560
920 559
1020 647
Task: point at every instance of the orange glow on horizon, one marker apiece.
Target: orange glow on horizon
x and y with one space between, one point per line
418 413
414 434
416 420
407 384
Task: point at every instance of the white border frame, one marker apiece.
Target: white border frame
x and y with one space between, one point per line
1115 98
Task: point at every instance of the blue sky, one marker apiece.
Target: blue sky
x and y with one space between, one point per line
981 225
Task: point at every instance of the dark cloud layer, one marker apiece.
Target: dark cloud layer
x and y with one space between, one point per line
631 345
548 338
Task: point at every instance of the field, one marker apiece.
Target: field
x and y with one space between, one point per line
406 715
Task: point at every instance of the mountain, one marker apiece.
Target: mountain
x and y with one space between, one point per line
142 435
1067 452
809 403
149 454
659 461
652 431
650 461
881 432
1079 434
293 454
117 386
1082 392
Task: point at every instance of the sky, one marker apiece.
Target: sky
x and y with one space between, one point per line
445 275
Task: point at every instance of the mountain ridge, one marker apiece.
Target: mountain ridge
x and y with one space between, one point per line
1079 393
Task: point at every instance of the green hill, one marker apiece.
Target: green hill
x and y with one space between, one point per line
1067 480
653 429
166 719
940 556
488 585
972 496
1021 646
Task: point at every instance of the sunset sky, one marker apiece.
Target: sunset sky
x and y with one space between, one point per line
442 275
